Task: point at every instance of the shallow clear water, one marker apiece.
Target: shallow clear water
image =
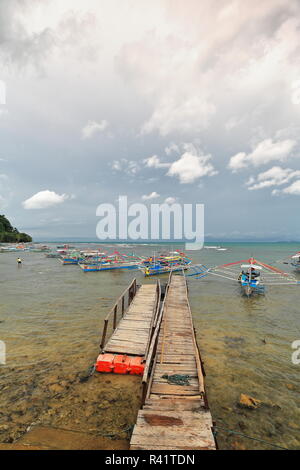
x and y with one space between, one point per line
51 318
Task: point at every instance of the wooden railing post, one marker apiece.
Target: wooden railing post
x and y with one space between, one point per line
129 296
115 316
104 333
130 291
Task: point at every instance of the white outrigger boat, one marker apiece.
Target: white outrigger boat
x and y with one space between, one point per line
252 275
296 262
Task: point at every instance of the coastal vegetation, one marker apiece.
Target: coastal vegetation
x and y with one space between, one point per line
9 234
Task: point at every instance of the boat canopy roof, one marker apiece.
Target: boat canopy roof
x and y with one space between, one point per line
252 266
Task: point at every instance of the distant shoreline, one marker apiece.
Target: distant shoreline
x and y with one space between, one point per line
170 242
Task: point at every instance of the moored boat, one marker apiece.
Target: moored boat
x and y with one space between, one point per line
252 275
250 280
296 262
157 269
107 266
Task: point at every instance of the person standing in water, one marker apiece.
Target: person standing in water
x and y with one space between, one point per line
19 261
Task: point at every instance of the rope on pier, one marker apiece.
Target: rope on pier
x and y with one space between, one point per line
177 379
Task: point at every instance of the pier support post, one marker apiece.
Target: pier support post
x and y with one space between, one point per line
115 317
104 334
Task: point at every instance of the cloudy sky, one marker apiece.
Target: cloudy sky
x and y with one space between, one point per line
167 100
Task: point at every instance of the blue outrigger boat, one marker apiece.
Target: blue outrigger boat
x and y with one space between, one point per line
252 275
250 279
155 270
164 264
111 262
107 266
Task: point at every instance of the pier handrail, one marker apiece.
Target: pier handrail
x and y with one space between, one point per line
154 341
131 291
197 353
155 313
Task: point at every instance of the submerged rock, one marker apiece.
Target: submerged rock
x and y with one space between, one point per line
290 386
249 402
253 403
56 388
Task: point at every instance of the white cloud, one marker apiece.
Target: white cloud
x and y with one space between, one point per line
92 128
293 189
238 161
265 152
116 165
192 165
130 167
170 200
154 162
275 176
208 60
153 195
186 115
44 199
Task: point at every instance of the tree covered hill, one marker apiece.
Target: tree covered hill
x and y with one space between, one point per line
10 234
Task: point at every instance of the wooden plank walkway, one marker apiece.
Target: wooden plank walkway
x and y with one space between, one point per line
175 416
132 333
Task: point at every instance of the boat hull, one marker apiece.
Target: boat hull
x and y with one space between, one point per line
252 288
102 267
162 270
70 261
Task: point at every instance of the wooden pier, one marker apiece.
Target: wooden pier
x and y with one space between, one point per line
174 416
132 335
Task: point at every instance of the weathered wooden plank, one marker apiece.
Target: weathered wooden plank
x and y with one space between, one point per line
156 417
161 398
131 335
171 405
168 419
166 389
171 436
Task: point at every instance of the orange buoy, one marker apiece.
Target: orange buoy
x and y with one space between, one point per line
105 363
136 366
121 364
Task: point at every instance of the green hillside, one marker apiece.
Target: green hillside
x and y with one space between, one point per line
10 234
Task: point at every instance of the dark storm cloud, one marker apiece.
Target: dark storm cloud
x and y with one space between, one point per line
219 81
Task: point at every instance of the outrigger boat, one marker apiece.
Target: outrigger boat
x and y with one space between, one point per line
157 269
165 263
250 280
296 262
108 266
114 261
252 275
73 258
